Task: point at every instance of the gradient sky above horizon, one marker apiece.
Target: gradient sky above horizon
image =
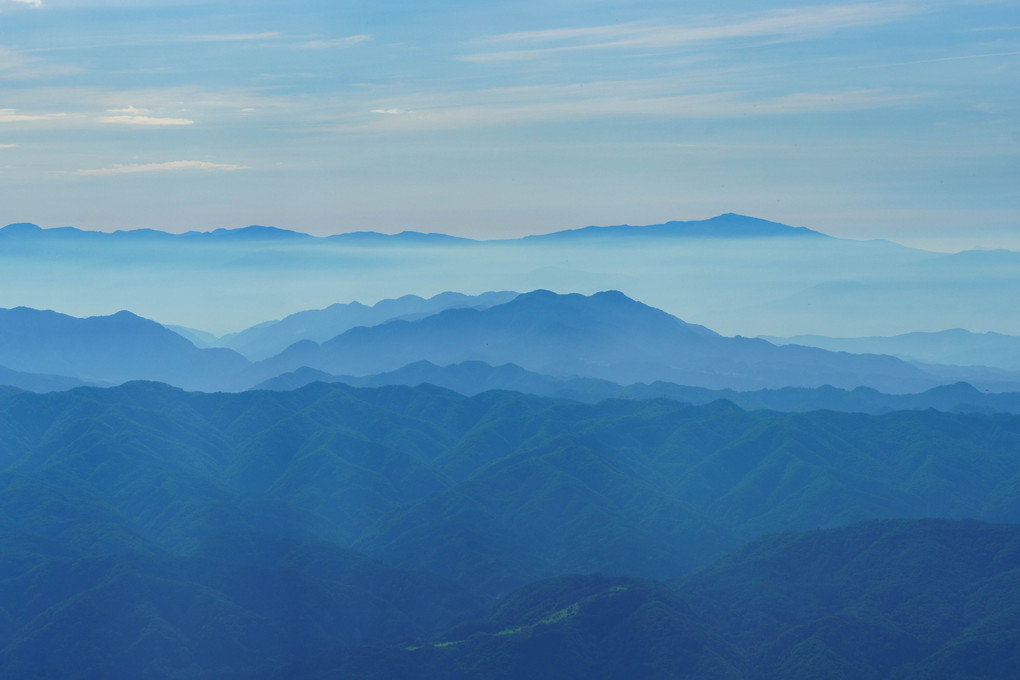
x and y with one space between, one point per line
894 119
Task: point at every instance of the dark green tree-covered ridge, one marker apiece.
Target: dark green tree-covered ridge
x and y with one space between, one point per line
905 599
151 532
885 599
490 491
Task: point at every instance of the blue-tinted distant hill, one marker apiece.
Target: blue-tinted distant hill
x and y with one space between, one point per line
109 349
607 336
37 382
253 233
955 346
727 226
269 338
735 274
474 377
370 238
26 231
198 338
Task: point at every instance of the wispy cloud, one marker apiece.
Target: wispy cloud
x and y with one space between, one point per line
235 37
7 146
685 106
30 3
961 57
145 120
994 28
135 116
11 59
15 65
337 43
12 116
157 108
797 22
161 167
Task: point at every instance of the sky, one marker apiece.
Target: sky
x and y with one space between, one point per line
490 119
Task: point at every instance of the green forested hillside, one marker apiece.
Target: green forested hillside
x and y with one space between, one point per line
142 523
885 599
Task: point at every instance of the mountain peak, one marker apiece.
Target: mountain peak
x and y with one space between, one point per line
738 225
21 229
725 226
254 232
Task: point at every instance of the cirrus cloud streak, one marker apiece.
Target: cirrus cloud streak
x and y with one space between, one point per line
796 22
684 106
144 120
12 116
161 167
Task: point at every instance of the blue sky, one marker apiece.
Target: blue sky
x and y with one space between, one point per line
896 119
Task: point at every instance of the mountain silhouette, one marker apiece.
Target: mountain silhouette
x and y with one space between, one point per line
954 346
474 377
728 225
109 349
607 336
38 382
269 338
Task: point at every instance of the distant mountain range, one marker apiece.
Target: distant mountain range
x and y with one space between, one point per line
736 274
606 336
39 382
729 225
109 349
547 344
545 485
474 377
272 337
955 346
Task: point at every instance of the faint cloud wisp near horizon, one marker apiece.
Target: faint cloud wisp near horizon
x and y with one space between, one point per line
131 115
459 115
787 23
340 43
160 167
13 116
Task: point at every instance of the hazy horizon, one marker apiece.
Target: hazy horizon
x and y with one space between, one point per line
947 244
893 119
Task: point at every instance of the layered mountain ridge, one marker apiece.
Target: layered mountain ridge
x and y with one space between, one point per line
606 336
108 349
955 346
732 273
502 485
603 338
333 531
728 225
